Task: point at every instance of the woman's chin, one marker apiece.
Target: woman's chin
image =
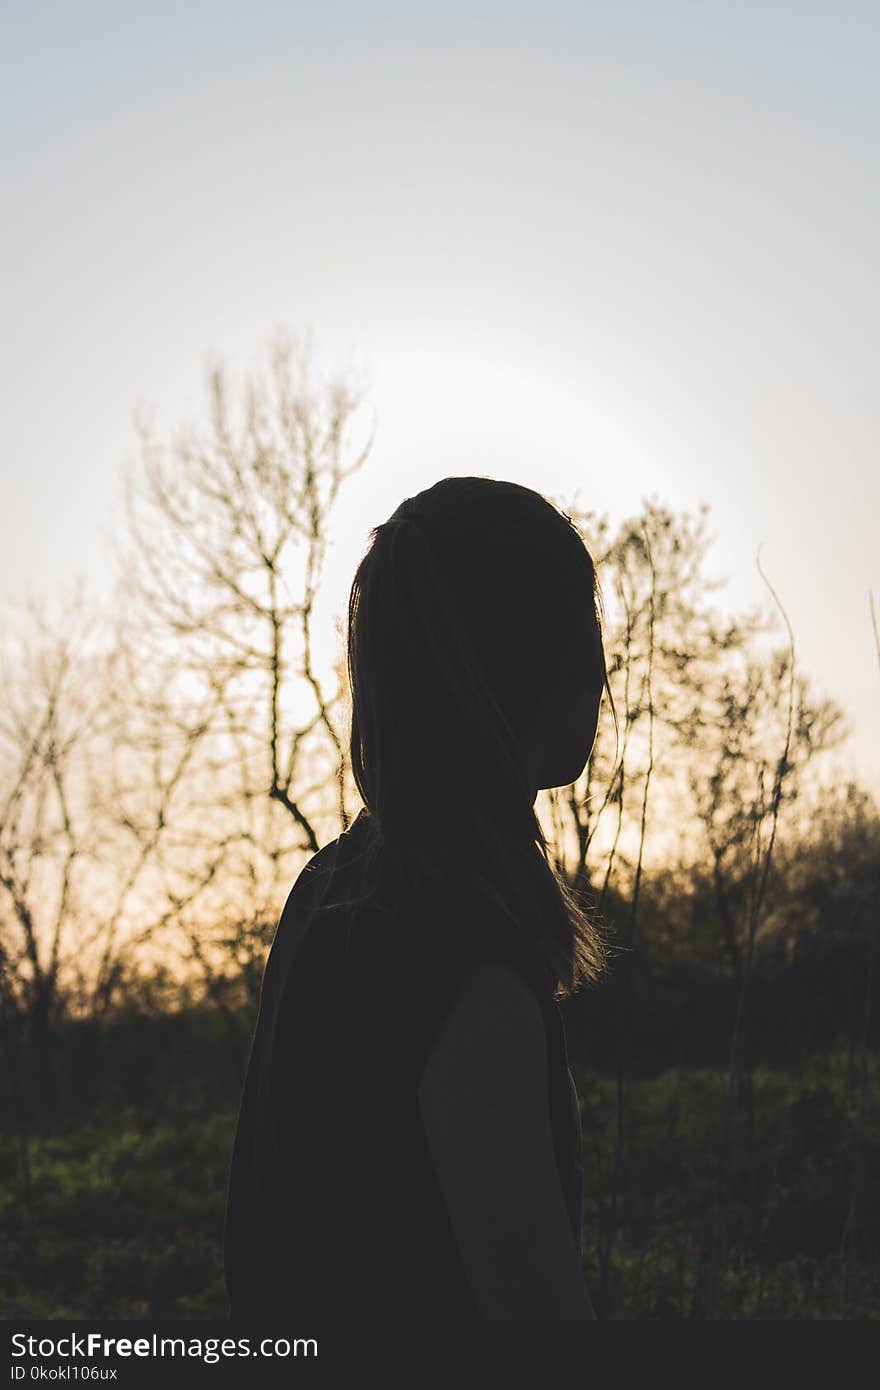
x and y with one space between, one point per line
565 772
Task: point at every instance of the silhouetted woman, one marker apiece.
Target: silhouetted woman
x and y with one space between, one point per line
408 1139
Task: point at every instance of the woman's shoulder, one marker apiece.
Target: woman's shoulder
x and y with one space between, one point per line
481 929
447 943
422 934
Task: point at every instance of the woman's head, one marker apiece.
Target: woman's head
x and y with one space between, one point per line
476 665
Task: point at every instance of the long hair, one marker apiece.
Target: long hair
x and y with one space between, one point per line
475 601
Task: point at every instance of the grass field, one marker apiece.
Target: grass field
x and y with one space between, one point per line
687 1214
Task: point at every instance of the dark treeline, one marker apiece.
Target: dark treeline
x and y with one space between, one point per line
807 994
803 1003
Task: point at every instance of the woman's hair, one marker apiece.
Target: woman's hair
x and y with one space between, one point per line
476 603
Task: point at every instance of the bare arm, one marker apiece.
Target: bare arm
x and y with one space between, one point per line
485 1108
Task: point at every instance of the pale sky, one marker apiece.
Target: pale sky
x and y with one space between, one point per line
628 249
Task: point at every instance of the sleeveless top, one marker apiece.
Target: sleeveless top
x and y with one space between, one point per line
333 1207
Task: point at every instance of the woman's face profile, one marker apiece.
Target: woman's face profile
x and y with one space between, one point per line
558 749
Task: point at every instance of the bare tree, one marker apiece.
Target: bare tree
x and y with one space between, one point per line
742 787
226 538
49 714
78 835
665 643
703 715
